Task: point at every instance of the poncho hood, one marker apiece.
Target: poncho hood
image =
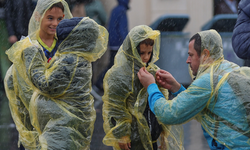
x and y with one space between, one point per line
38 14
210 40
137 35
124 3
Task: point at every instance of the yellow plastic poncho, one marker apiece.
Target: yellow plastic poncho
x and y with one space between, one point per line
51 103
218 98
125 99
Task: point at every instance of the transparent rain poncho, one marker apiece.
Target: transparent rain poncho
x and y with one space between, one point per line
218 98
50 102
125 99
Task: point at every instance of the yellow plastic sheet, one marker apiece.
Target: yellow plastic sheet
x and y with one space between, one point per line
125 99
218 98
51 103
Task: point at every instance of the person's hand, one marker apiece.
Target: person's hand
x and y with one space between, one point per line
167 81
145 77
125 145
12 39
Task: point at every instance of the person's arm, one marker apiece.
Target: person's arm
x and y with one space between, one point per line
101 13
55 79
182 88
186 105
241 32
116 115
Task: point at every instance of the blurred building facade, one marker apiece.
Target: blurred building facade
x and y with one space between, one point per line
147 11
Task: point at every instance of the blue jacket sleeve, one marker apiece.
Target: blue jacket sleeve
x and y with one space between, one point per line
241 33
180 90
153 95
185 106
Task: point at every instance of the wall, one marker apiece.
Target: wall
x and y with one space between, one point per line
147 11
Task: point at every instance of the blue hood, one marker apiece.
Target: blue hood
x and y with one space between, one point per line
124 3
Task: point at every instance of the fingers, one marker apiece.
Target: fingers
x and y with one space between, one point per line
141 72
161 71
129 145
125 146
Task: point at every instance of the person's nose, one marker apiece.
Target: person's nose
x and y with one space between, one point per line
147 57
188 60
55 22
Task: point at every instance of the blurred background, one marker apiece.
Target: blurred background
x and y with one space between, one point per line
177 20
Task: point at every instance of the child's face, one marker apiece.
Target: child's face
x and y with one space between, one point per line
145 52
50 21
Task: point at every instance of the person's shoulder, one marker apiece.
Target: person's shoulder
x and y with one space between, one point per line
244 4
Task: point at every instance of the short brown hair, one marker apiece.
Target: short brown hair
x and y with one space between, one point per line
58 5
197 43
147 42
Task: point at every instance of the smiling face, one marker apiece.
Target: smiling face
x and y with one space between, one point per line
193 59
50 21
145 52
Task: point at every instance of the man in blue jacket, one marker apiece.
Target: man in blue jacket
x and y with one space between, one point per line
241 33
118 30
218 98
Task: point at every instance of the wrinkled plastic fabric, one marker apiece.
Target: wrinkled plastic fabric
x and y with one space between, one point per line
227 121
218 98
50 102
125 99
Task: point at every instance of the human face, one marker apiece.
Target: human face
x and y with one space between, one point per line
193 59
145 52
51 19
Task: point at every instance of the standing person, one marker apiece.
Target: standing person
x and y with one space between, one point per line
118 30
56 97
241 33
37 128
18 13
95 10
128 121
78 9
218 98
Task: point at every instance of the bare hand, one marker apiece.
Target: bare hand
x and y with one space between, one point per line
145 77
125 145
12 39
166 80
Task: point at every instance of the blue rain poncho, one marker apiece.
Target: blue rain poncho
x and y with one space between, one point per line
50 102
218 98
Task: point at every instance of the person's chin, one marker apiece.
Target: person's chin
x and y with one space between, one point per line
52 33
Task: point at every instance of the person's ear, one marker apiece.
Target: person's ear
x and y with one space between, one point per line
63 15
206 54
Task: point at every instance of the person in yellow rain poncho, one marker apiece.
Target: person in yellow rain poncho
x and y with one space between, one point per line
128 121
50 102
218 97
